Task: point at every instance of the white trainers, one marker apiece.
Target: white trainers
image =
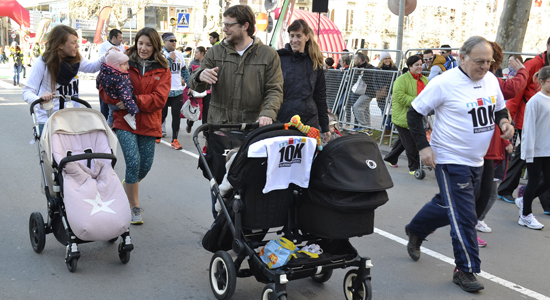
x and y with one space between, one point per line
482 227
519 204
131 120
530 221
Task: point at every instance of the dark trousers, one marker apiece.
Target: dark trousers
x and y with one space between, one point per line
104 108
513 174
484 193
410 148
396 150
455 206
176 103
535 187
205 106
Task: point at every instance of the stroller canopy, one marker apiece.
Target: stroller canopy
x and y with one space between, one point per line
75 121
351 163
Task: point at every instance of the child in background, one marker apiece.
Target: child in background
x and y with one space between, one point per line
115 80
535 149
333 127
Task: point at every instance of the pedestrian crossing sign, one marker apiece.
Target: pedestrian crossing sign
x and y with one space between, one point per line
183 22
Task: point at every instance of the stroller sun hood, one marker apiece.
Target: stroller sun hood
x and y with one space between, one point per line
351 163
75 121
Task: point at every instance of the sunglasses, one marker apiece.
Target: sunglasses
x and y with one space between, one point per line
172 41
428 59
443 52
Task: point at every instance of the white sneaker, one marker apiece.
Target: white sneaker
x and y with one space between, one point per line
131 120
519 204
482 227
530 221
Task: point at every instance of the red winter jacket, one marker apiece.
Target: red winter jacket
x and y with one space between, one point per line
516 106
509 89
151 91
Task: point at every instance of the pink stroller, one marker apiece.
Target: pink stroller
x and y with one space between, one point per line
86 201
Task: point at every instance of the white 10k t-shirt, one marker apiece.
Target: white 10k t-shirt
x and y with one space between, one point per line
289 160
464 115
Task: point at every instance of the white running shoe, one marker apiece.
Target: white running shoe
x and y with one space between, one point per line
519 204
131 120
530 221
482 227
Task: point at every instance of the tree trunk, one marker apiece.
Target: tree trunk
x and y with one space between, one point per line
513 25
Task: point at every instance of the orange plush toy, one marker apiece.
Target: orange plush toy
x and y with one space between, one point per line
311 132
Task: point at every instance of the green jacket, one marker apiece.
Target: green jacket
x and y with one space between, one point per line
248 86
404 92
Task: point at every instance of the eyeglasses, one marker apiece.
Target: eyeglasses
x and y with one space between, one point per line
428 59
481 62
229 25
172 41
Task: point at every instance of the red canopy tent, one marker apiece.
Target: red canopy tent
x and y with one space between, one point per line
16 12
329 36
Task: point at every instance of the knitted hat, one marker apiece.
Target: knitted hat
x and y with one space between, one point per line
167 36
384 55
115 59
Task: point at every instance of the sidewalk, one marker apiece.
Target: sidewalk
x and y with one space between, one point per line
6 74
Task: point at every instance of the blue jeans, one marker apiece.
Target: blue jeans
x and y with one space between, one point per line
104 108
138 151
16 71
454 205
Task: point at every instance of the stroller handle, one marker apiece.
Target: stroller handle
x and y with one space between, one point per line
241 127
61 104
87 156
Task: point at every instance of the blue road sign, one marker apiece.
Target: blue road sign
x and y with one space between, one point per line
183 22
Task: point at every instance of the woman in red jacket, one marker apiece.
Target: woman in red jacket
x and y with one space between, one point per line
487 194
151 79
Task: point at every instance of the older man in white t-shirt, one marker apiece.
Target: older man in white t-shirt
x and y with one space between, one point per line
468 104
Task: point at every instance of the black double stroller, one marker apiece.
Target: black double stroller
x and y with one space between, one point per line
348 180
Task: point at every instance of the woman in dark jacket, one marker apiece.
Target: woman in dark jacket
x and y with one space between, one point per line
304 79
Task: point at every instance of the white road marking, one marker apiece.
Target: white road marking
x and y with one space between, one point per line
182 150
441 257
491 277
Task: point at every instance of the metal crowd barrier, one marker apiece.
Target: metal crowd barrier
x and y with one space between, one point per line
368 110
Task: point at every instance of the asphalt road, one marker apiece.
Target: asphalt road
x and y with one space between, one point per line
169 263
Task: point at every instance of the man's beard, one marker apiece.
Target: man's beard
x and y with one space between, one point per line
236 39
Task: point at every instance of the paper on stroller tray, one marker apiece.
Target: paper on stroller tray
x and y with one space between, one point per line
96 204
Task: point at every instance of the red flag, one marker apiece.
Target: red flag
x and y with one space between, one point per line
102 24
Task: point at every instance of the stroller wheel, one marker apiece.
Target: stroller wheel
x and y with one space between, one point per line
37 232
268 290
124 255
71 264
223 276
323 277
356 291
419 174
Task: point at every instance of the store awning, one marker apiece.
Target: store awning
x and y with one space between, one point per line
13 10
329 36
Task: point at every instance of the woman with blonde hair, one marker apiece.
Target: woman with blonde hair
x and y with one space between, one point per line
55 71
304 89
151 78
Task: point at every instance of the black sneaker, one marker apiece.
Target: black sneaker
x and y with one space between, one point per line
413 247
467 281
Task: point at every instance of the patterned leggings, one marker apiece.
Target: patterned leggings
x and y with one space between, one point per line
138 151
